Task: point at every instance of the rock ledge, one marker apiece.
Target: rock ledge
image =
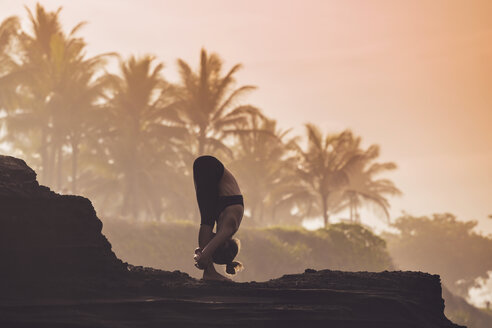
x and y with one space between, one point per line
58 270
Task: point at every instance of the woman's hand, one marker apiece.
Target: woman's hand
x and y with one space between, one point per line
201 262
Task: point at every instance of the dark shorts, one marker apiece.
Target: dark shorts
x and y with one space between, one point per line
207 172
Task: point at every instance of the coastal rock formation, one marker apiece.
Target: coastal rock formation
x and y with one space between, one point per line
44 234
58 270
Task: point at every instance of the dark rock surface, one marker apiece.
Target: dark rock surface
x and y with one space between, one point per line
46 234
58 270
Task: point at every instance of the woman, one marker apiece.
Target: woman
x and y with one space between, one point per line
219 200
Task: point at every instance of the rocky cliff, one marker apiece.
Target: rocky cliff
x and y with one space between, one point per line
44 234
58 270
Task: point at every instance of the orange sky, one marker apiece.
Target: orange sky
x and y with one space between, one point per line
414 76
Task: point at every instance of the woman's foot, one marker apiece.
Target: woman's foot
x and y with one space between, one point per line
209 275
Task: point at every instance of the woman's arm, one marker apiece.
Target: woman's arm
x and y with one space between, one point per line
225 233
205 235
220 238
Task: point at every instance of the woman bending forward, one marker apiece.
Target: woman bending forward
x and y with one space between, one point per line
219 200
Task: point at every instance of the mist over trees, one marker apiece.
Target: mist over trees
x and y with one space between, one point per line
283 250
442 244
127 139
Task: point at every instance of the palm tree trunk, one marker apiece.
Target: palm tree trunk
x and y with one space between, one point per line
58 163
134 194
127 194
49 161
325 210
354 202
351 206
127 205
44 158
201 144
201 141
52 165
75 155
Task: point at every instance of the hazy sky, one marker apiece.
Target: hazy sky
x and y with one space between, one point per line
414 77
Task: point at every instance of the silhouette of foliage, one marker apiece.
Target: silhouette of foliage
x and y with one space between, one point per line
9 32
133 141
128 139
362 186
442 245
56 89
264 163
323 169
208 103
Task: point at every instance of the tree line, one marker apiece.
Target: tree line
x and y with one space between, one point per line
128 139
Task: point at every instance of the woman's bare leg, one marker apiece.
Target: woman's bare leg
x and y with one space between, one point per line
211 274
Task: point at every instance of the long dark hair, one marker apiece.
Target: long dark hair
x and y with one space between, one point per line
226 253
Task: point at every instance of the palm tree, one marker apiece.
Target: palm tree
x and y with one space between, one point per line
57 90
36 88
208 102
76 92
9 30
135 146
263 164
323 168
80 99
364 188
29 126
